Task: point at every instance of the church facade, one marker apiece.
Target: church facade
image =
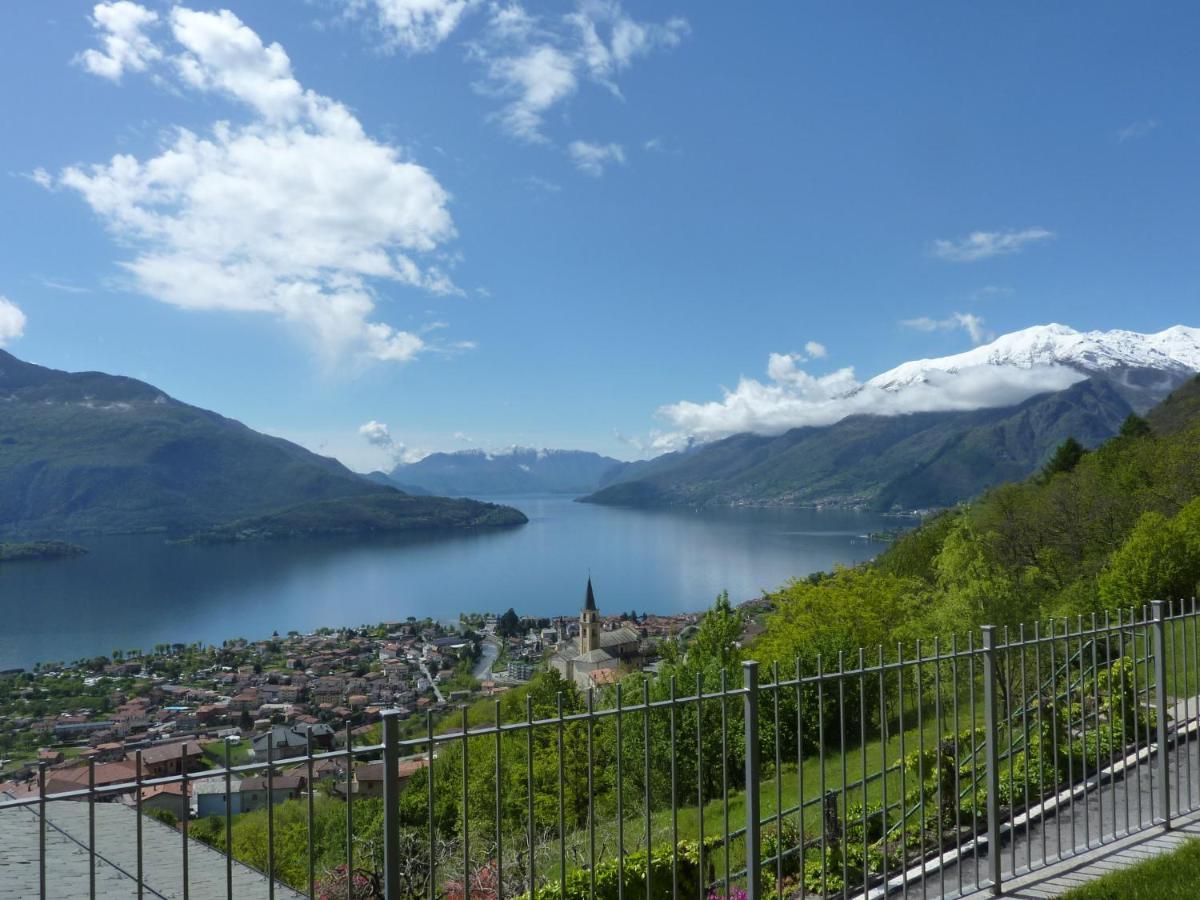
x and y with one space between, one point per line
595 657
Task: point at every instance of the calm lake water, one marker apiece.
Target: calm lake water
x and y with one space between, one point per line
135 592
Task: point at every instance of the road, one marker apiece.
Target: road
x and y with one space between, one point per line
489 653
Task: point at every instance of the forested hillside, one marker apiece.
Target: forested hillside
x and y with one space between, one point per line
1095 531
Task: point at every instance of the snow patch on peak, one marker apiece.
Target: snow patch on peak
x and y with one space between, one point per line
1176 349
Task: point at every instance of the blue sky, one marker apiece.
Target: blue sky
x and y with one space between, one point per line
485 224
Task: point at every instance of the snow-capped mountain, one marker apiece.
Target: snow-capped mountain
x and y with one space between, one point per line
1174 352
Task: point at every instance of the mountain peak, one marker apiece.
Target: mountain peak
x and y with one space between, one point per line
1174 350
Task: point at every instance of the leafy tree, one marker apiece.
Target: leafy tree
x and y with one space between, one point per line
719 635
509 624
1065 458
1134 426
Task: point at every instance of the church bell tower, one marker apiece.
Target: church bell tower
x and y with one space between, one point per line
589 623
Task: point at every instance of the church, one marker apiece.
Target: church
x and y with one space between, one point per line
594 658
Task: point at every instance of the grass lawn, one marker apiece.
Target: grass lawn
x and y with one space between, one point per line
239 753
1174 876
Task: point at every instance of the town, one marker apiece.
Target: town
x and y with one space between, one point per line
190 708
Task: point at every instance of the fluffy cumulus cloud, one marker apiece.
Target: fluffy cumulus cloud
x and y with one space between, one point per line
792 397
124 43
12 321
297 214
534 63
377 434
591 158
985 244
972 324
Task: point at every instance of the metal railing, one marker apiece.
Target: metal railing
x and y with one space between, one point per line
946 771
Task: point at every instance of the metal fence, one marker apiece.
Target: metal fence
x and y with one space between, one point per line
943 771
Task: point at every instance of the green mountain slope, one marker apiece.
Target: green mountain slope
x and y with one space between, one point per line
913 461
94 453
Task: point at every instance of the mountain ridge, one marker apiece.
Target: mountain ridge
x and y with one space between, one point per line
91 453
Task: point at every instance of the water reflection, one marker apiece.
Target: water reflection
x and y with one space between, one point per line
134 592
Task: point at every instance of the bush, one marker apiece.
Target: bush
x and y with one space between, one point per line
578 886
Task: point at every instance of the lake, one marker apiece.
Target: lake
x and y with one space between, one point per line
137 591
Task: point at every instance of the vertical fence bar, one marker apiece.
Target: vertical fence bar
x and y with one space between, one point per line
562 813
429 809
700 780
646 776
753 799
1176 617
920 701
1009 681
800 769
137 774
1124 713
591 708
842 752
183 789
229 822
725 772
1138 711
349 810
91 767
1083 754
937 746
974 750
1193 683
499 805
620 803
778 786
309 811
862 754
883 766
674 805
1160 677
821 768
958 868
391 804
1025 745
1056 712
900 761
1041 730
993 754
1096 721
466 798
271 815
1112 725
528 798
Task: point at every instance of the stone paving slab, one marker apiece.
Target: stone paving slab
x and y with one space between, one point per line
67 861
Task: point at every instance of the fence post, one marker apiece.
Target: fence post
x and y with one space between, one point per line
993 755
391 804
1160 679
753 800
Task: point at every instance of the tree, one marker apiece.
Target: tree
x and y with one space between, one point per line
1065 458
245 722
1134 426
509 624
717 638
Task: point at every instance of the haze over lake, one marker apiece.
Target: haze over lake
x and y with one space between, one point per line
135 592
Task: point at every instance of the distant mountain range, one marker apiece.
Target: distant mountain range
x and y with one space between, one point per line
94 453
519 470
924 459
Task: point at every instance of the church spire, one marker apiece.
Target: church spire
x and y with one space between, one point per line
590 602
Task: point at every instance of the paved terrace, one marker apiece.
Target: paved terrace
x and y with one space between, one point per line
116 857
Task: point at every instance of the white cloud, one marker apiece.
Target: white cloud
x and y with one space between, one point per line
12 321
122 26
1135 130
591 158
816 350
537 62
968 322
297 214
986 244
377 434
792 398
416 26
